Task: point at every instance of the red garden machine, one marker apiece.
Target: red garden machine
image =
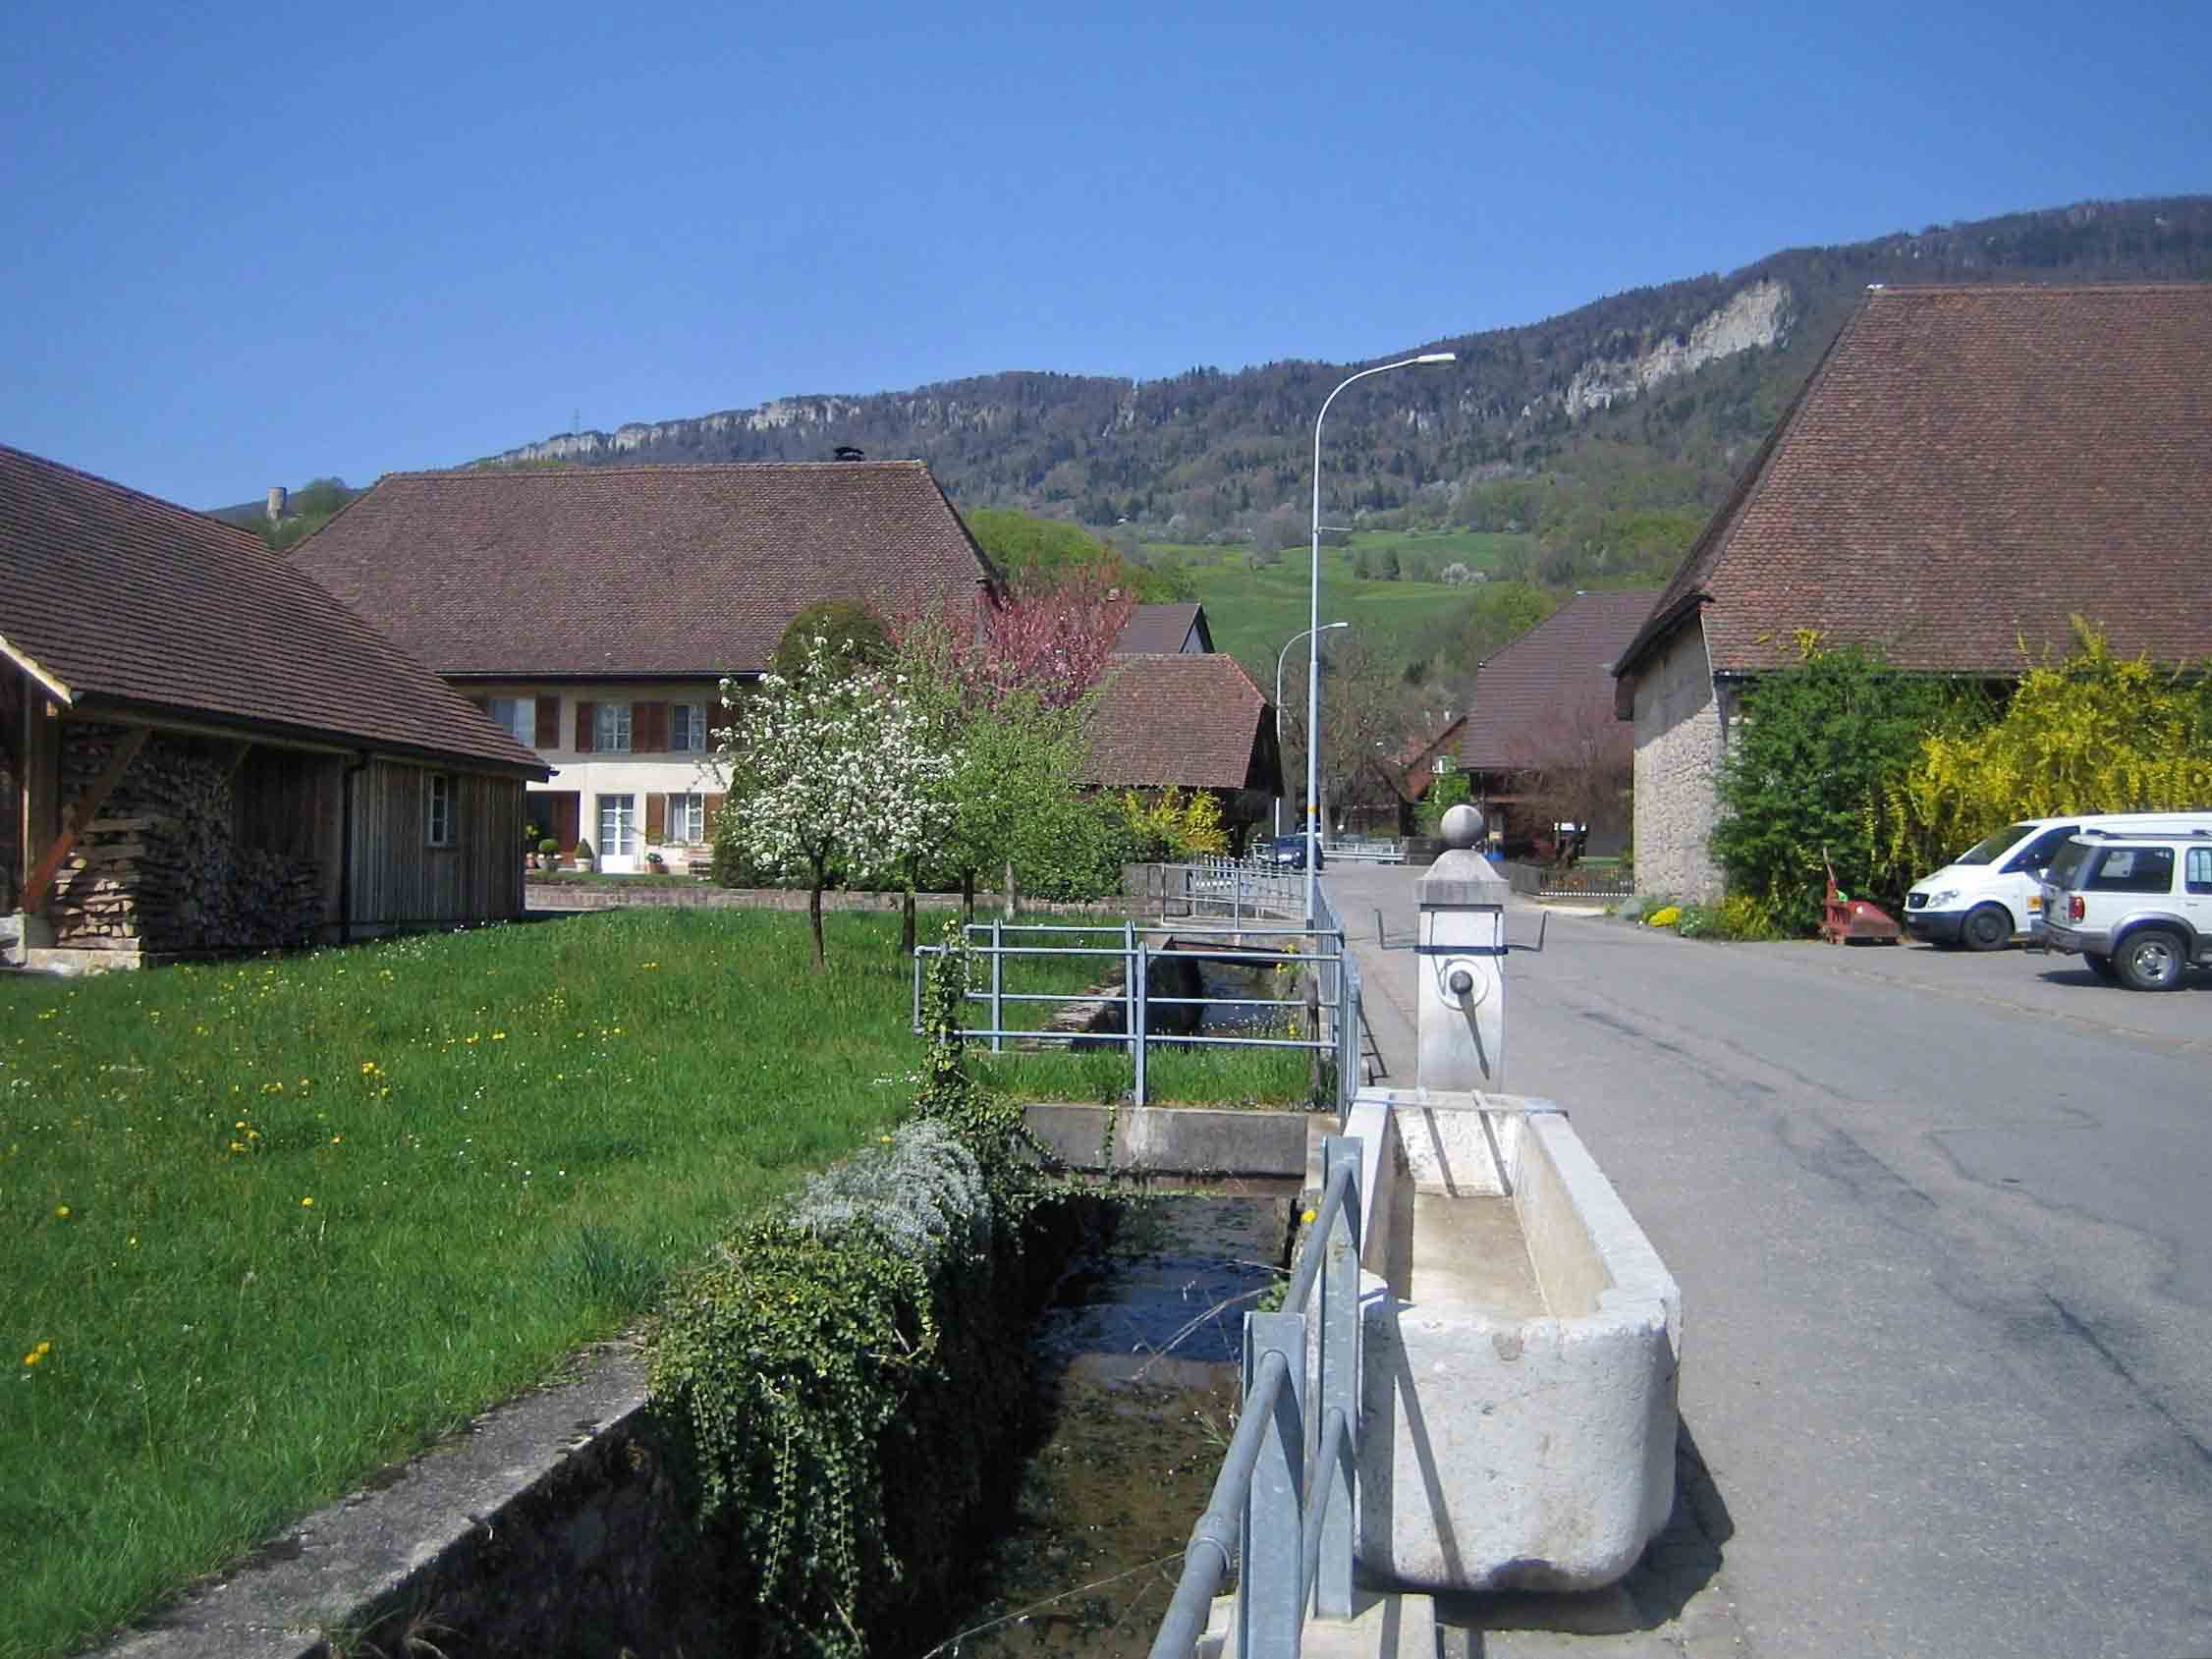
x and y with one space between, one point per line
1844 920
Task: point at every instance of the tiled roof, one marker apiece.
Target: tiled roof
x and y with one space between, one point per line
1965 467
1415 761
121 599
666 571
1192 720
1557 679
1155 629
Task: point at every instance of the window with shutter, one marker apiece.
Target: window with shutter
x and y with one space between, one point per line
656 820
652 728
586 721
548 732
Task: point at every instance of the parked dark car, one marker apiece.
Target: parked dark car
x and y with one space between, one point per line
1284 852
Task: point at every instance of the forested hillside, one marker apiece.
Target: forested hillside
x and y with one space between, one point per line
1603 437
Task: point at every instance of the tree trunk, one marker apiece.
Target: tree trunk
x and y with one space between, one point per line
967 895
814 916
907 907
1010 890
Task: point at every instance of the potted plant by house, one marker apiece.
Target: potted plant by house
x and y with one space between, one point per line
655 862
586 858
549 854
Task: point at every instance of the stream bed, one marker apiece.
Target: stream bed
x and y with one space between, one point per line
1136 1363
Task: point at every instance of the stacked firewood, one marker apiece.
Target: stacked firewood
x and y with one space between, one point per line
160 869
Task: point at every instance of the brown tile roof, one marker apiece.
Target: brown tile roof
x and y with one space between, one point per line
1965 466
1555 678
663 570
1155 629
127 603
1192 720
1415 761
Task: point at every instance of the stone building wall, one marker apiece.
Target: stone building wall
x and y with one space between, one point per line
1680 735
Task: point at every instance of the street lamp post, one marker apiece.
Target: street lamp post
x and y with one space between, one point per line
1313 631
1279 655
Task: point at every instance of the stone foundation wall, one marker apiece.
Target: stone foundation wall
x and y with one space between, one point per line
1680 737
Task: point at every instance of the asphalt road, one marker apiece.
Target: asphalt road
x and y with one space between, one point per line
1943 1225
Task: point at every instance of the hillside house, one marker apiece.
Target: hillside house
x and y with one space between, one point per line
200 749
1188 720
593 610
1966 468
1157 630
1541 747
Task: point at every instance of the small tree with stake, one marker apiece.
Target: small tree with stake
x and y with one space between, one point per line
832 772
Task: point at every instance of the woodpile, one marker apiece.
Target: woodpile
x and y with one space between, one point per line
160 868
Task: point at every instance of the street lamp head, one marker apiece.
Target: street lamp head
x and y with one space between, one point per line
1325 627
1438 357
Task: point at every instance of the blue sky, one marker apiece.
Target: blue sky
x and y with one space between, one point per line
248 246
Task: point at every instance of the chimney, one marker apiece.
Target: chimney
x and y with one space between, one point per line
278 495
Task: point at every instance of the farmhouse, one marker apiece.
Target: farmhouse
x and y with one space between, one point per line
1964 469
202 749
1152 630
1541 744
1188 720
593 610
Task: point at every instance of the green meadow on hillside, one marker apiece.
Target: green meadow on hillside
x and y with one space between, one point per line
1253 610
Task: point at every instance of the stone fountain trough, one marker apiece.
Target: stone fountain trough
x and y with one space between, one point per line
1521 1338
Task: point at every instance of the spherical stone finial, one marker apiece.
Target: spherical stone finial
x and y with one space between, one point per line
1463 826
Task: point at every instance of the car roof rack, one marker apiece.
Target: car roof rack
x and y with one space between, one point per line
2146 833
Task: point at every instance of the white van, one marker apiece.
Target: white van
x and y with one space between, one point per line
1994 889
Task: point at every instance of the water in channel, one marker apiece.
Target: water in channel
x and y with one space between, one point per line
1137 1360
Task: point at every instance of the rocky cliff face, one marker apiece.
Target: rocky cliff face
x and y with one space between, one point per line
651 440
1757 315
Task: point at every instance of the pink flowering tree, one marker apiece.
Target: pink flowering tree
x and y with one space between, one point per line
1006 686
834 769
1053 643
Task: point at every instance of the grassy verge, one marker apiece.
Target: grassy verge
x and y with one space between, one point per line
271 1224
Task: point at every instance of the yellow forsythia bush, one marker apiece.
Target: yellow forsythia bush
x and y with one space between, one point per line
2094 732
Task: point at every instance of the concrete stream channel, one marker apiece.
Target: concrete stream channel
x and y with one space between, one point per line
1136 1396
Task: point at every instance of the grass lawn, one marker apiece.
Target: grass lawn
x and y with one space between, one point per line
267 1225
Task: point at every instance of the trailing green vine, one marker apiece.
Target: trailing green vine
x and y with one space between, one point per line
842 1370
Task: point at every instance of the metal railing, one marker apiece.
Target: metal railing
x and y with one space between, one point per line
1339 991
1235 888
1286 1524
1319 952
1369 848
1588 880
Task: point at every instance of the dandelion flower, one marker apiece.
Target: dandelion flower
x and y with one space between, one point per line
62 1211
306 1203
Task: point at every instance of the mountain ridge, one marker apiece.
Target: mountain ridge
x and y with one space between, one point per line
1204 454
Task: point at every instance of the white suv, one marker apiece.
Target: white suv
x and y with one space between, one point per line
2135 907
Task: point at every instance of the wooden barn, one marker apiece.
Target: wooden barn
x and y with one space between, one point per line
201 751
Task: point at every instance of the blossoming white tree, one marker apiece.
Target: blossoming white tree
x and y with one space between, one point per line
833 770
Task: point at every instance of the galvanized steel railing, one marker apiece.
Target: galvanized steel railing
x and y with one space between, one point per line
1293 1519
1342 991
1319 952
